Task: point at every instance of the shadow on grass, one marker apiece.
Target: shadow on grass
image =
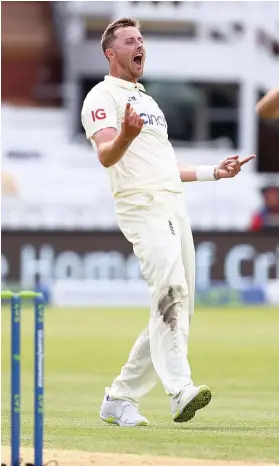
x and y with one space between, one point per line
208 428
214 428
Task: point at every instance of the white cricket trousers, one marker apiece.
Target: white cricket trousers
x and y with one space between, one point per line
158 227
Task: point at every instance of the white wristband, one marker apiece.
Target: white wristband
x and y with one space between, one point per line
206 173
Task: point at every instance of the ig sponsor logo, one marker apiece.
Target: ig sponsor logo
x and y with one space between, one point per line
99 114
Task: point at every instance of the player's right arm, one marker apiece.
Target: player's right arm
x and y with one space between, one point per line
268 106
101 127
111 146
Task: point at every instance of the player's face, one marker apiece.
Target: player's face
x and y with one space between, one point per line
128 53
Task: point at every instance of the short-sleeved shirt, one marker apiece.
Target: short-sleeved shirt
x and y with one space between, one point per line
149 164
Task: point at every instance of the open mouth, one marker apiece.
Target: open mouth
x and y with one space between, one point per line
138 59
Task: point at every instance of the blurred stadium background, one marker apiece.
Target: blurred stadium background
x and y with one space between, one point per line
208 63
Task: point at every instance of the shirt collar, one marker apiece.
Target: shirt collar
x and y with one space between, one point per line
122 83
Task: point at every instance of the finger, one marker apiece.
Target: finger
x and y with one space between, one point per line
127 110
233 165
230 169
228 162
141 122
132 118
137 120
236 166
232 157
246 159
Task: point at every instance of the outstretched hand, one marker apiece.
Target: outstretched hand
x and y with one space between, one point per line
231 166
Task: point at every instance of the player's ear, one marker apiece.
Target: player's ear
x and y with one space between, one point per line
109 53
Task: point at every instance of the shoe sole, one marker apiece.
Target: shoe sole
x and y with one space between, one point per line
202 399
113 420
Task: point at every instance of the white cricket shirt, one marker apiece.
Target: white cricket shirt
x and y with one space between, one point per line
149 164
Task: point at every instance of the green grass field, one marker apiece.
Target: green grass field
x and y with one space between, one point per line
234 351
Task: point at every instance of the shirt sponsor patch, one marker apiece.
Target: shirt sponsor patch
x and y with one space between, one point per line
99 114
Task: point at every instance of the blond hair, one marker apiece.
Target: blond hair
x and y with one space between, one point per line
108 36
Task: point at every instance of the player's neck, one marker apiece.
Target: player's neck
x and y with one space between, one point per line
121 75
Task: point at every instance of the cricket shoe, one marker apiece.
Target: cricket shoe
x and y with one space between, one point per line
121 412
188 401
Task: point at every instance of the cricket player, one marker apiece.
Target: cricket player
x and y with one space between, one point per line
129 132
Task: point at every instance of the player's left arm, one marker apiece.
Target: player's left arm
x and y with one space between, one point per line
268 106
227 168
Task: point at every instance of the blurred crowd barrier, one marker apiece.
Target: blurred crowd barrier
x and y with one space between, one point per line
80 267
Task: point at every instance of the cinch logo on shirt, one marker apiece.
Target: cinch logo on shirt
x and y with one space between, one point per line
99 114
153 119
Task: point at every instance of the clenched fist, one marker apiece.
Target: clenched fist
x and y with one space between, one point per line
131 125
